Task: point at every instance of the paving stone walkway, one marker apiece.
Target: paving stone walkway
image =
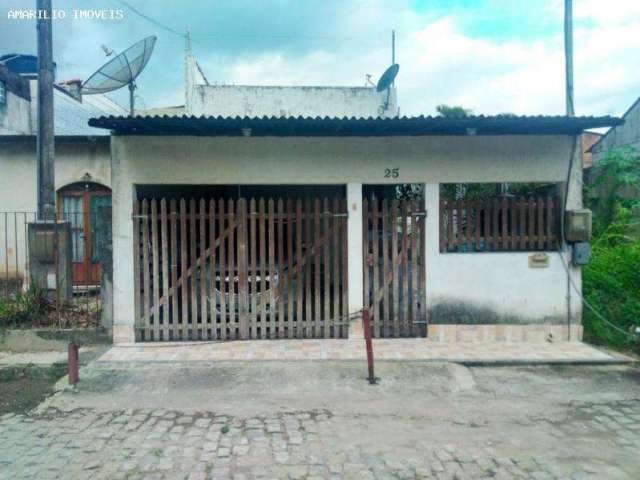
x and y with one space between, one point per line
354 349
159 444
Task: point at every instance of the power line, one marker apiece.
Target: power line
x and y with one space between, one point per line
149 19
235 35
281 36
588 305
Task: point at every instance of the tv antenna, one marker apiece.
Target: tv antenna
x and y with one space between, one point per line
121 70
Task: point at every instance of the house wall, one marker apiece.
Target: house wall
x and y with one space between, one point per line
489 284
588 139
15 116
627 134
18 184
259 101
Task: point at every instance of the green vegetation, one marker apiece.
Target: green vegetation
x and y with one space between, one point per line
25 308
611 280
486 191
453 111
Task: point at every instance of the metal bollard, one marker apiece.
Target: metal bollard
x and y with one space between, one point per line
369 344
74 374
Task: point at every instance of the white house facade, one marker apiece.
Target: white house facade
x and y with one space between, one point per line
175 158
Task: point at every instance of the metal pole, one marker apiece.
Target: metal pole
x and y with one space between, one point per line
393 47
45 133
132 100
367 339
568 54
74 374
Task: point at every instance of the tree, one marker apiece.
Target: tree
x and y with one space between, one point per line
453 111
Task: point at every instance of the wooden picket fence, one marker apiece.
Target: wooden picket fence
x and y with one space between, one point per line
506 224
225 269
394 267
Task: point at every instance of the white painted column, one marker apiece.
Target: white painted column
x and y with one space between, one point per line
355 256
123 285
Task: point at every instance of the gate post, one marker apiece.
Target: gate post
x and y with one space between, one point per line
105 255
355 258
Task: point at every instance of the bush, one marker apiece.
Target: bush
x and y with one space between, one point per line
611 285
25 308
611 280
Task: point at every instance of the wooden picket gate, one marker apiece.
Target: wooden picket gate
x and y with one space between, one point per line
394 267
225 269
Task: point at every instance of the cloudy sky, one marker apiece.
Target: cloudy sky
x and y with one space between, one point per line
492 56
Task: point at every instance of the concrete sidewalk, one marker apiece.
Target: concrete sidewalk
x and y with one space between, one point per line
419 349
45 359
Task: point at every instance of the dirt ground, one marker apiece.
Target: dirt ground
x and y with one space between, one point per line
323 420
24 388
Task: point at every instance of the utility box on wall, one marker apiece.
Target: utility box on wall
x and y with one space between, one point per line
581 252
50 265
578 225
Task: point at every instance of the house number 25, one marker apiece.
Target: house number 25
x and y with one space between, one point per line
391 172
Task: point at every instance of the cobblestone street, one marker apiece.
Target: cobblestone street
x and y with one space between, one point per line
573 439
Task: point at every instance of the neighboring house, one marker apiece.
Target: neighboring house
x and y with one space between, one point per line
237 227
15 104
625 135
82 166
621 136
588 140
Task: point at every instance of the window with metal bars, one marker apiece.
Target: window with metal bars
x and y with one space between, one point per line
483 218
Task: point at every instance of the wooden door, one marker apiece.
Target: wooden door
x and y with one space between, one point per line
78 204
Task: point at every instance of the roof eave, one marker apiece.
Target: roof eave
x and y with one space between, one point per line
414 126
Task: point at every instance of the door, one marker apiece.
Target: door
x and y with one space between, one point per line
394 269
79 204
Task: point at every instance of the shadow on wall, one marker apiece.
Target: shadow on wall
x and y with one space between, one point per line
469 313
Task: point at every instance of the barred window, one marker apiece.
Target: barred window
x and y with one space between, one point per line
498 217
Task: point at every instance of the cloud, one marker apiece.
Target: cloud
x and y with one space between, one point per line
611 12
487 55
440 63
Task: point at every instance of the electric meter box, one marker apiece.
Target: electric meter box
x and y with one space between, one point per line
578 225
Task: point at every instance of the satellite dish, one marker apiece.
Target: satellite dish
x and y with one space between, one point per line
387 77
121 70
385 82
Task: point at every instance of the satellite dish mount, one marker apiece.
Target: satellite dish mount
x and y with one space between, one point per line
132 97
121 70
